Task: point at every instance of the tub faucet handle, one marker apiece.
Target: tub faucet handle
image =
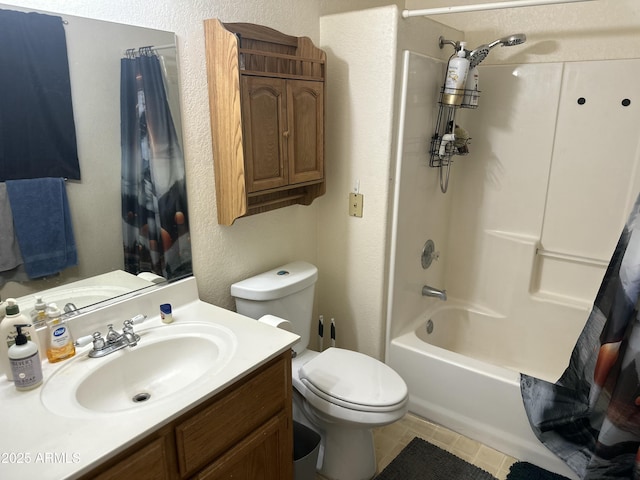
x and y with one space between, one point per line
429 254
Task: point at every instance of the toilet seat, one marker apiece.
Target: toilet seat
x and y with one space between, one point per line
353 380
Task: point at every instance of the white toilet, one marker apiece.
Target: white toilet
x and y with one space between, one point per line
339 393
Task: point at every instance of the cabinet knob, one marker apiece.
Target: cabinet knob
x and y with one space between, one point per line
285 134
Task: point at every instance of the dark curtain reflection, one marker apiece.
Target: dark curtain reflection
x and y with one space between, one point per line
37 129
154 199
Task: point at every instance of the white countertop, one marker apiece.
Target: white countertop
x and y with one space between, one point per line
36 443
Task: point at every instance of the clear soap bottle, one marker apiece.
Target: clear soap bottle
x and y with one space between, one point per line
39 313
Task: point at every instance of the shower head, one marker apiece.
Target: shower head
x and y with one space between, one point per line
510 41
479 54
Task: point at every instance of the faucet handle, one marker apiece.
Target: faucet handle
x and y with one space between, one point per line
82 341
96 338
127 325
429 254
136 320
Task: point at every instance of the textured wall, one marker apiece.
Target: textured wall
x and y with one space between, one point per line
361 56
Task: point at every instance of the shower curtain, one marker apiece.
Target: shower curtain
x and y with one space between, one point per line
154 198
591 416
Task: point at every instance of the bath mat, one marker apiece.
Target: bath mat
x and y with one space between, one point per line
529 471
421 460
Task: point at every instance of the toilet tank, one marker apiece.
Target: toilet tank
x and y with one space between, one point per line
286 292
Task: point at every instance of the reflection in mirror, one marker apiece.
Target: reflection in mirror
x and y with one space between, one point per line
100 202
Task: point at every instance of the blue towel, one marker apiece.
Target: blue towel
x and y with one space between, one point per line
42 222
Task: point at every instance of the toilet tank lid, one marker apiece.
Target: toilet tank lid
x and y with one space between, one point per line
276 283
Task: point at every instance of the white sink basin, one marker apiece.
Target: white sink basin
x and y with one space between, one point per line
169 361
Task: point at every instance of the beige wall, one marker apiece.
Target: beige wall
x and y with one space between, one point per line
361 48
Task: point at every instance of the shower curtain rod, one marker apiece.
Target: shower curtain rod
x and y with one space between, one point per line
152 47
162 47
484 6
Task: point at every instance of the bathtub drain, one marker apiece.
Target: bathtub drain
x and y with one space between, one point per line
429 326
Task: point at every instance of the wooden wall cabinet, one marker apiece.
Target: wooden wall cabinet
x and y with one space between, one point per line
266 99
243 433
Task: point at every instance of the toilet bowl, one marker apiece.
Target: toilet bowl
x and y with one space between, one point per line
341 394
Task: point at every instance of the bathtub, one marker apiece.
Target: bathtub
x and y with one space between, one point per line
464 375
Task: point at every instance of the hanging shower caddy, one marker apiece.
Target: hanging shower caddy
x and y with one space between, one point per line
446 142
449 139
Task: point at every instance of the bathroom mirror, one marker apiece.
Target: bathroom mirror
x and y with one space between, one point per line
95 49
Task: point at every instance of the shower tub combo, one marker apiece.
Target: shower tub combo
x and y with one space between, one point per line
462 366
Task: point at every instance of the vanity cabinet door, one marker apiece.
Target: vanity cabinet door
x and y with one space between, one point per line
152 462
265 132
261 456
236 416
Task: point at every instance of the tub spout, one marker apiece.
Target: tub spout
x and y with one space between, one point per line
428 291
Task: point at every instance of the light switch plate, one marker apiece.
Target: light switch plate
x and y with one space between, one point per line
356 201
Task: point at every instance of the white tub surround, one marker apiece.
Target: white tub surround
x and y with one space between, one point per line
40 444
480 401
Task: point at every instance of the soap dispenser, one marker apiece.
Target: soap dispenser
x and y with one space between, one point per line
8 334
26 367
60 345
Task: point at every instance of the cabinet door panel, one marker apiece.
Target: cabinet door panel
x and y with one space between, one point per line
259 457
305 107
150 462
215 429
264 113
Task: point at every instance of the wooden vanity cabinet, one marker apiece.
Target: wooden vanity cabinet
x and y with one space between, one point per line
244 433
266 96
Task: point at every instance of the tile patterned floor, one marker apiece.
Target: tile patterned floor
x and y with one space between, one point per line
390 440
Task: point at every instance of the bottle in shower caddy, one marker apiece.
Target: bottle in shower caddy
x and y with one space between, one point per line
456 78
472 89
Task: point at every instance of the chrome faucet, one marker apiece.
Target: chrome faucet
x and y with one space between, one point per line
112 341
428 291
70 307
